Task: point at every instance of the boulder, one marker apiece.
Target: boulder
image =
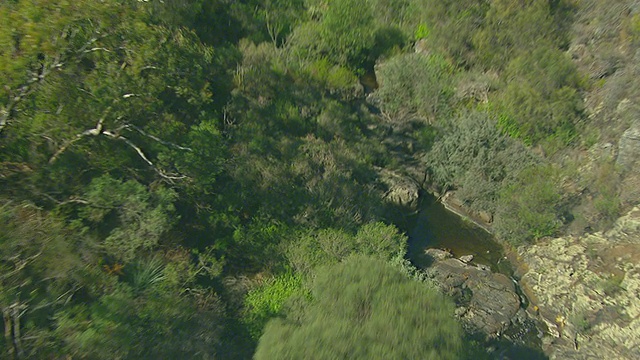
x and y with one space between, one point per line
401 190
466 258
626 229
629 147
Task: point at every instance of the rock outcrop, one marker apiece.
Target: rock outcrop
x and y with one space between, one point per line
587 290
629 147
487 302
402 190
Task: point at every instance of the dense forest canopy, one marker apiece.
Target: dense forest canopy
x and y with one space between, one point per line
175 174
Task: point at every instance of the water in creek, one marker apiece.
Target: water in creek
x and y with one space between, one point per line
433 226
436 227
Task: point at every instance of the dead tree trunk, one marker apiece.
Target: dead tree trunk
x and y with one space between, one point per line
16 313
8 333
12 332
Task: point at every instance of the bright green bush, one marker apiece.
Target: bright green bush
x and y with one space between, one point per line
266 301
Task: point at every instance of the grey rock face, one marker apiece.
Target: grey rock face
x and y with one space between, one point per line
587 290
629 147
402 190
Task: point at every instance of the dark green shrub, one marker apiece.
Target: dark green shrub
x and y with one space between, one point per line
415 85
541 100
528 209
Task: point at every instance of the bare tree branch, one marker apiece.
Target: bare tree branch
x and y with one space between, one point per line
91 132
163 142
96 49
144 157
131 144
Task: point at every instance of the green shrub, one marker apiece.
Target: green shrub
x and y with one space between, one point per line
611 285
415 85
330 246
580 320
607 199
528 209
364 308
266 301
541 100
472 155
510 27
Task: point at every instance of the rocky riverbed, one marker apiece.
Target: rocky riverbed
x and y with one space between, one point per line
487 302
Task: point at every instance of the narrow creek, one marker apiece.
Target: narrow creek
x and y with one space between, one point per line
433 226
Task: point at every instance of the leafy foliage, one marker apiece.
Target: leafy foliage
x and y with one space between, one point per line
452 25
124 325
511 26
542 99
142 216
474 156
41 271
267 300
152 150
343 33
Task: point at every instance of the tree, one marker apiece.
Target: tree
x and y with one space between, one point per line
135 218
364 308
96 86
145 315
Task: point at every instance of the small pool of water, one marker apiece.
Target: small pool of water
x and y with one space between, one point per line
433 226
436 227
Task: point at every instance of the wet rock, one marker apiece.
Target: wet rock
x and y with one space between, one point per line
438 254
586 290
452 203
489 299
